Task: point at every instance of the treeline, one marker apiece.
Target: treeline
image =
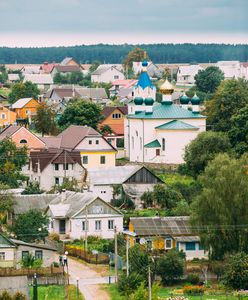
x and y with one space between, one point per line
159 53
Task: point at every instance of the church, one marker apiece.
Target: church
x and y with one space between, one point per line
159 132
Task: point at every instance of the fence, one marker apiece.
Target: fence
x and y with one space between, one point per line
211 296
58 279
30 271
100 258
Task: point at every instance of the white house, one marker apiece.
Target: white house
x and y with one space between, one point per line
43 81
107 73
77 215
186 74
159 132
231 69
49 167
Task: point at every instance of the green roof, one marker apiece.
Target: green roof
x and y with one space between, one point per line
163 111
176 125
153 144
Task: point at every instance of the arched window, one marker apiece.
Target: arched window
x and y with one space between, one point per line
163 144
140 144
23 141
132 142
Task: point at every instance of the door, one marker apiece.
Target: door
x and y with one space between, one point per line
62 226
157 152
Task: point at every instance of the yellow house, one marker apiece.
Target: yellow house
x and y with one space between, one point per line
7 117
25 108
164 234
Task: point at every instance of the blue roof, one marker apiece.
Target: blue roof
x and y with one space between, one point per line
176 125
144 81
163 111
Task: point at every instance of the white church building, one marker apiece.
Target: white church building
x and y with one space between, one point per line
159 132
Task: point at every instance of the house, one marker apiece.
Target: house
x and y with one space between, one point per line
186 74
67 69
159 132
7 117
107 73
31 69
12 252
13 78
113 116
95 150
77 215
153 70
231 69
43 81
50 167
25 108
47 68
69 61
164 234
134 179
119 85
21 136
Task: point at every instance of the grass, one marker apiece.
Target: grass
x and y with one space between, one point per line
171 178
4 91
56 292
113 292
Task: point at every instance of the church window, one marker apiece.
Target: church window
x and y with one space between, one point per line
132 142
163 144
140 144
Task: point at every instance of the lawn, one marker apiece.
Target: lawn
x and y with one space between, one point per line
171 178
113 292
56 292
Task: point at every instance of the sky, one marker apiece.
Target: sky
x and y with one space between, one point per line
38 23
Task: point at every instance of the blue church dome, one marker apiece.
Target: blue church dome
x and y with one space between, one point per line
144 63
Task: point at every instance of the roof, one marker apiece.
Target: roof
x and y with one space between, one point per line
64 92
153 144
189 70
39 78
167 111
150 226
31 69
144 81
107 110
47 68
13 77
23 203
125 83
5 242
176 125
8 131
117 129
51 141
21 103
65 61
65 69
92 93
193 238
103 68
33 245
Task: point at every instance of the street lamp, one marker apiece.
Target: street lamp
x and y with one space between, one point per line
77 288
66 264
35 288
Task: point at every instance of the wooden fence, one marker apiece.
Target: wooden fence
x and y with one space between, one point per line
30 271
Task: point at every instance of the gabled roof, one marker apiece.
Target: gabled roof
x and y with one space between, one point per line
39 78
176 125
21 103
47 68
5 242
8 131
153 144
103 68
34 245
69 69
92 93
66 60
107 110
189 70
125 83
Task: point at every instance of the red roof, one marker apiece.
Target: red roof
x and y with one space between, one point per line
125 83
107 110
47 68
117 129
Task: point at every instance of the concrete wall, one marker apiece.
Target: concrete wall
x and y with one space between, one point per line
14 284
9 257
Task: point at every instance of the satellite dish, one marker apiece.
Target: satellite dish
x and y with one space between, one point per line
142 241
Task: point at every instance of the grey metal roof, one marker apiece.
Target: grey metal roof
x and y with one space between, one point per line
193 238
34 245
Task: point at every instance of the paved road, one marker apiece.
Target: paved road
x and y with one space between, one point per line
89 281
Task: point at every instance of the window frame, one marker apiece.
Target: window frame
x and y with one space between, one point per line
190 246
170 241
38 254
24 254
103 160
85 225
98 228
56 167
56 179
109 223
85 157
2 256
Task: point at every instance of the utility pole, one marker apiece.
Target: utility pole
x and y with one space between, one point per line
86 229
127 258
116 256
149 284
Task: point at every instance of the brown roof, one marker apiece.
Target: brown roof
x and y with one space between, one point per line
65 92
8 131
64 69
53 156
52 141
107 110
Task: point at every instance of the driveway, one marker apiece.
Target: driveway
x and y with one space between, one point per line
89 280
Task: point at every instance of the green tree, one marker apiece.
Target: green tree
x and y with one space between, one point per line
81 112
60 78
230 97
12 159
170 266
44 119
6 204
23 90
30 226
236 272
95 64
32 188
220 212
138 261
106 129
76 77
141 292
137 54
165 197
181 209
147 199
3 74
128 284
209 79
68 185
203 149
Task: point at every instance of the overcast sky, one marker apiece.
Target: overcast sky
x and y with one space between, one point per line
75 22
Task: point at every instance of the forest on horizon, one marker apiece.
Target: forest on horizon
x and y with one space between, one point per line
158 53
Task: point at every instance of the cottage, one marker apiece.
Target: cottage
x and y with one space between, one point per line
25 108
67 69
69 61
7 117
13 78
78 215
107 73
43 81
166 233
186 74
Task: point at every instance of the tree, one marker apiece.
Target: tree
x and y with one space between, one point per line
44 119
137 54
220 212
170 266
147 199
81 112
181 209
128 284
230 97
203 149
30 226
12 159
6 204
106 129
138 261
68 185
95 64
32 188
209 79
165 197
23 90
236 272
3 74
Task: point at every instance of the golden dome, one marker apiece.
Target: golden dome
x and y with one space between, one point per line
167 88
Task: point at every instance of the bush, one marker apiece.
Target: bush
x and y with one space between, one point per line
128 284
55 264
193 290
37 263
19 296
193 278
54 236
5 296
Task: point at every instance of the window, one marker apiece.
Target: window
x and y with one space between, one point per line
56 167
27 112
110 224
65 166
90 142
25 254
97 142
103 192
110 140
23 141
116 116
157 152
85 160
116 76
38 254
2 256
132 142
51 225
98 225
57 180
168 244
84 227
102 160
190 246
3 116
163 144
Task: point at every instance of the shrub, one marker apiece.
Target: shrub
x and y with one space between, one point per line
19 296
37 263
5 296
128 284
193 278
54 236
55 264
193 290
